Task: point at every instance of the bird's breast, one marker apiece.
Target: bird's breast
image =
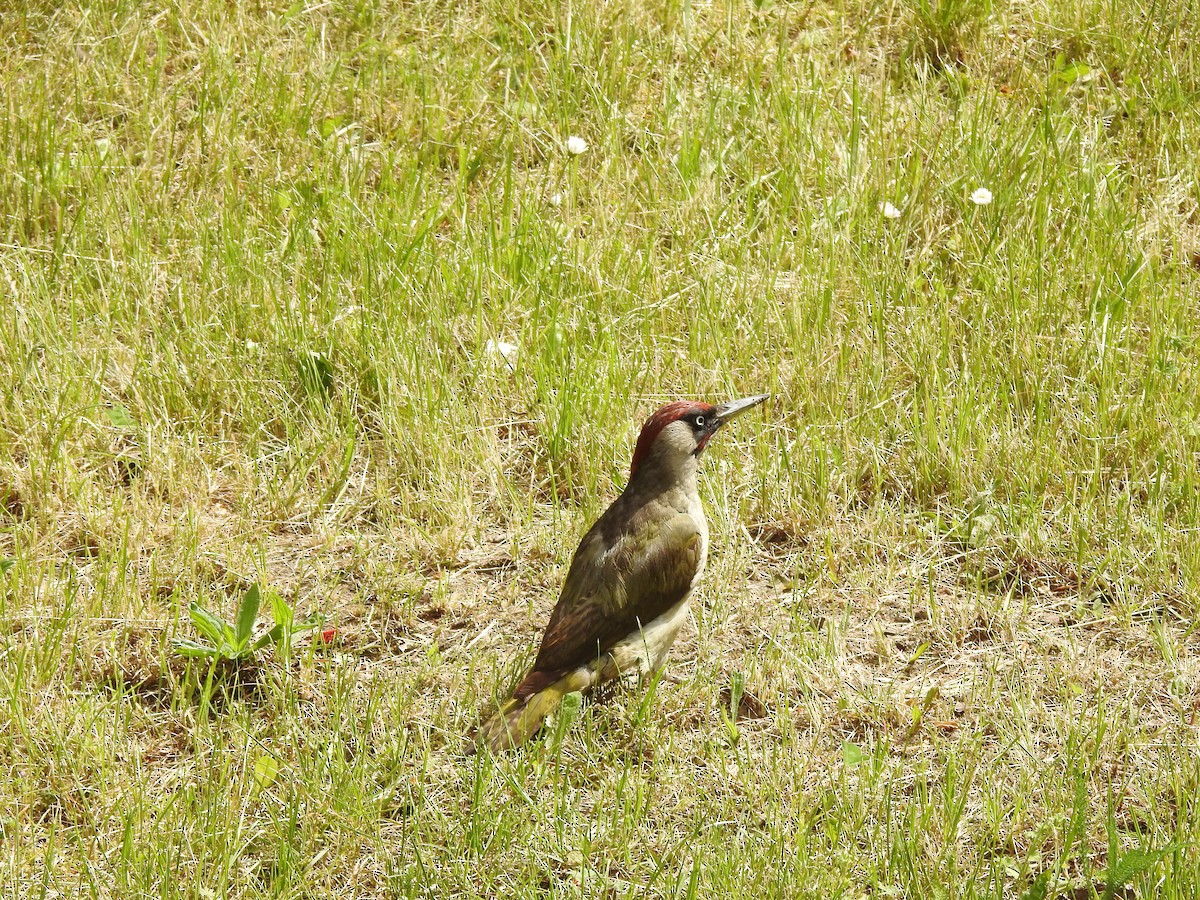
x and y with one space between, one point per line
695 509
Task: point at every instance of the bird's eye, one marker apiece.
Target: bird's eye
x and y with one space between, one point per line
699 420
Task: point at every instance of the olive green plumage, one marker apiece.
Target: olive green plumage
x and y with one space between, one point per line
619 581
625 595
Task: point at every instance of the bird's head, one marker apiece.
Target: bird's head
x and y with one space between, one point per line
678 432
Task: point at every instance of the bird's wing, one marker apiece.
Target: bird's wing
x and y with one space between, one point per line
608 596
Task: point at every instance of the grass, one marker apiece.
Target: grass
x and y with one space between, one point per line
258 259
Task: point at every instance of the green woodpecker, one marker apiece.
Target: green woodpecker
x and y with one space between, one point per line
626 593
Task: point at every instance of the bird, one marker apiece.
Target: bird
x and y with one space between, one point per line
627 589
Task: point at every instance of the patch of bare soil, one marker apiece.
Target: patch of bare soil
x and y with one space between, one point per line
890 655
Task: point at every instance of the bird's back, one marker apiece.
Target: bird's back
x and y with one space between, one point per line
637 562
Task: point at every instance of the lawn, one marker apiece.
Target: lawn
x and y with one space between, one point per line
364 303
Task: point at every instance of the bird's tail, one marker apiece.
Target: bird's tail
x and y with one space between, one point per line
520 717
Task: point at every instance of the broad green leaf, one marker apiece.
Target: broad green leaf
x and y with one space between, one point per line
247 613
216 630
1074 72
737 689
852 754
316 372
274 636
7 563
194 650
120 417
266 768
330 125
281 611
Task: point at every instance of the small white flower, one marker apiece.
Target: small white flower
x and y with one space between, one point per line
252 346
981 197
889 211
576 145
556 199
503 350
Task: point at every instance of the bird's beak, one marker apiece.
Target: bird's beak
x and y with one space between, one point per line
731 409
